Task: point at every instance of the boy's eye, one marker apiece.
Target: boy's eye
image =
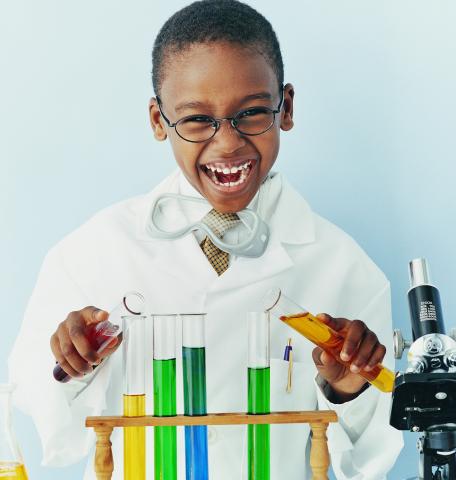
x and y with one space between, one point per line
200 119
251 112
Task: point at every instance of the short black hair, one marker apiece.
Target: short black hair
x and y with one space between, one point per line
208 21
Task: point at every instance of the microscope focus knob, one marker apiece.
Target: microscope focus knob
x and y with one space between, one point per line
400 344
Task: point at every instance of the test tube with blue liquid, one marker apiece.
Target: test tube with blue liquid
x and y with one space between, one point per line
194 372
164 370
258 395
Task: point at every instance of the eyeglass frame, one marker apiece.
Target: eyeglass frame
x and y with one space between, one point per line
218 121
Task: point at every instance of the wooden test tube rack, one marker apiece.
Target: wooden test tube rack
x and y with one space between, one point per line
318 421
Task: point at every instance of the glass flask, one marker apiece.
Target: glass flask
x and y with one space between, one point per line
11 462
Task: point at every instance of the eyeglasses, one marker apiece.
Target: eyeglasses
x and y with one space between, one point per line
201 128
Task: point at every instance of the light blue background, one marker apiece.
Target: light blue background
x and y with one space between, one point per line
373 148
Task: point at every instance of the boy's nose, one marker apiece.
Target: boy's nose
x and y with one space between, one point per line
228 138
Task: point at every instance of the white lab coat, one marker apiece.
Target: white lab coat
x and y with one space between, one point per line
314 263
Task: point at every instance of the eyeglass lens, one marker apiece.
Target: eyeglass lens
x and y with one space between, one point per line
254 121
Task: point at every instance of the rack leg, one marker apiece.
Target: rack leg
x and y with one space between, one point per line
104 463
319 453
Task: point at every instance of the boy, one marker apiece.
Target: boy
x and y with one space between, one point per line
221 102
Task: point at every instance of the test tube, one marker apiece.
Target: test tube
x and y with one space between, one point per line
258 395
194 372
298 318
134 398
101 334
164 369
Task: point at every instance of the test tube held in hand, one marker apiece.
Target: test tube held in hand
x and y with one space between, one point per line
101 334
298 318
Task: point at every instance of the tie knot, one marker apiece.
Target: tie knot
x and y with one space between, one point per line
220 222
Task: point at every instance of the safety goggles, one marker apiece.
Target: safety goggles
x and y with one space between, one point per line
168 221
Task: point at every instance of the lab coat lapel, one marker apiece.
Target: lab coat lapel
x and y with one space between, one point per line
245 271
290 221
184 260
180 258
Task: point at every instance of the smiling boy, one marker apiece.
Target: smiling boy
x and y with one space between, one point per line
221 101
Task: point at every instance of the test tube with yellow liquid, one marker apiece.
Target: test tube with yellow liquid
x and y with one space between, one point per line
296 317
11 462
134 398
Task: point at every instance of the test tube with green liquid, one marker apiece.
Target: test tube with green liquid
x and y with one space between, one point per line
258 395
194 373
134 398
164 370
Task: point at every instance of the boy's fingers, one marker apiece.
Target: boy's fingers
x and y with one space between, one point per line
377 357
93 315
334 323
353 337
55 346
365 351
76 325
70 352
58 354
316 356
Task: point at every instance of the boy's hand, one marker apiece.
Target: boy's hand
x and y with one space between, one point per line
361 348
70 346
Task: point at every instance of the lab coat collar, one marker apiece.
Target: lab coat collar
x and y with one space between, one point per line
290 220
288 215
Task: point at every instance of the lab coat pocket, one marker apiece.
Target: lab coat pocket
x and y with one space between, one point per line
302 395
289 442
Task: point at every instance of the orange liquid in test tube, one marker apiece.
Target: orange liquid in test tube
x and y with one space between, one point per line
331 341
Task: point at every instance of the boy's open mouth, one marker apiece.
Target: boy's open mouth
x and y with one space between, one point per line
228 176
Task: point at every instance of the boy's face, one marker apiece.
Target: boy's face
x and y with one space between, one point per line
219 80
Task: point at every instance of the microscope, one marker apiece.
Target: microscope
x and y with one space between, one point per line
424 396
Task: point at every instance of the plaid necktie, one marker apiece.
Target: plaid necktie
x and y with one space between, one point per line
219 223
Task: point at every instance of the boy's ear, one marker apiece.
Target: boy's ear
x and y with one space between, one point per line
287 116
156 121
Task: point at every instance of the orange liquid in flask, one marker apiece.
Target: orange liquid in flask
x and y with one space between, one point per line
331 341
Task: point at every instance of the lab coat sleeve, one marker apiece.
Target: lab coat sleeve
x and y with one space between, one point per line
58 410
362 445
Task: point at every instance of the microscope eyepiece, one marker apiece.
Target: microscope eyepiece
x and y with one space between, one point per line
424 301
418 272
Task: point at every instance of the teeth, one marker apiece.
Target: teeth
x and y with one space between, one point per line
227 170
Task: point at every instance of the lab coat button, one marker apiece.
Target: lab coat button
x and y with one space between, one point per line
211 435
